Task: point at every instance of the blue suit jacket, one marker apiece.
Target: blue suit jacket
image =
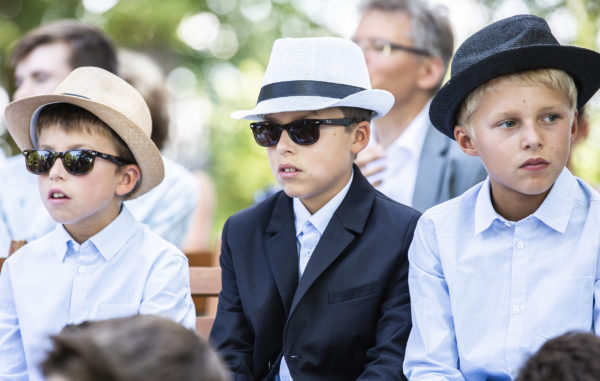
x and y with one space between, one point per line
445 171
347 318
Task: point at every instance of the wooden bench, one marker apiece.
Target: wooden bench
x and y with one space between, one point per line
205 282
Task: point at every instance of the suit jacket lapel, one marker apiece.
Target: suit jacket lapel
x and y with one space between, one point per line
347 221
430 173
281 249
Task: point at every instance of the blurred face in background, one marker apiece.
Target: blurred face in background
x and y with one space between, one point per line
42 70
395 70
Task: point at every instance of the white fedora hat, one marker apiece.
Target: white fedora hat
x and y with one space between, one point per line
112 100
306 74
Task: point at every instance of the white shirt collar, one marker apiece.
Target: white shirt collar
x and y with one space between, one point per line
322 216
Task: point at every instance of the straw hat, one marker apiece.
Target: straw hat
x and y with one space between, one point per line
306 74
508 46
112 100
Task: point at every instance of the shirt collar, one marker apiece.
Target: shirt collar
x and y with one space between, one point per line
554 212
412 138
108 241
321 218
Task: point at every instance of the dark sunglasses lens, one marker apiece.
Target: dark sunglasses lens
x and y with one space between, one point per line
265 133
78 162
39 162
304 132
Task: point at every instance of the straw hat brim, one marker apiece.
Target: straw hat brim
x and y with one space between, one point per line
18 116
582 64
379 101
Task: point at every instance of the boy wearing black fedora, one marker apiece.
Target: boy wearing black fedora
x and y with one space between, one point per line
513 261
89 144
315 276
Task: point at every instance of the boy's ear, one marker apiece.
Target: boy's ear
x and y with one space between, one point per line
575 130
430 73
464 140
130 175
362 134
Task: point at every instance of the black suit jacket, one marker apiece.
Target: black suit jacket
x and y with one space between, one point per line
347 318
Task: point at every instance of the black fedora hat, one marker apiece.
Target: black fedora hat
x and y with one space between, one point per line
511 45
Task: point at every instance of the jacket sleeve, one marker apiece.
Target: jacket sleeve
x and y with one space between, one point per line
393 326
230 334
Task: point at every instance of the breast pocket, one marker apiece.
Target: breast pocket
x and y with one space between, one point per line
109 310
564 305
365 290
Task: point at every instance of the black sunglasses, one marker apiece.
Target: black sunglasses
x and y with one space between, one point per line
75 161
302 131
385 47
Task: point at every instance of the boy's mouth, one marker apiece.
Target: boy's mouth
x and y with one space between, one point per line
57 195
287 170
536 163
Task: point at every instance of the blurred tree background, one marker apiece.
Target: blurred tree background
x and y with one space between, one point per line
214 53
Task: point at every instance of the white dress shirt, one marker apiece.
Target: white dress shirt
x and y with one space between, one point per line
123 270
401 159
486 293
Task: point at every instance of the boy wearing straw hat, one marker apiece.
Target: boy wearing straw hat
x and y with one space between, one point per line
89 143
513 261
314 277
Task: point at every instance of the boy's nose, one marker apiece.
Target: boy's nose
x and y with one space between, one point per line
285 143
57 171
532 138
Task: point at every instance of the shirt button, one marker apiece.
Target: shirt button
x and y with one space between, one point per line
507 224
520 245
81 269
516 309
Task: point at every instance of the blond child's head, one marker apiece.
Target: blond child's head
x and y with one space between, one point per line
512 100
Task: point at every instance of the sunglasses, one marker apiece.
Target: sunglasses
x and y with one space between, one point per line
302 131
385 48
75 161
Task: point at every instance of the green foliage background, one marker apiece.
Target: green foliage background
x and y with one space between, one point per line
237 165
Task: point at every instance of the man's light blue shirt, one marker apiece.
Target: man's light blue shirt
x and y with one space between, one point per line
486 292
123 270
319 222
167 209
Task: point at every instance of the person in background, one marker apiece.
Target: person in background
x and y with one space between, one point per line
569 357
407 45
134 348
88 143
181 208
42 59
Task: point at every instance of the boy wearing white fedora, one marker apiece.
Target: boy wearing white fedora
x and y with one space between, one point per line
89 143
513 261
315 276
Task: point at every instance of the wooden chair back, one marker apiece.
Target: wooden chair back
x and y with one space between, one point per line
205 282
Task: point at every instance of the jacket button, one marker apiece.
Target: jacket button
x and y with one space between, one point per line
293 357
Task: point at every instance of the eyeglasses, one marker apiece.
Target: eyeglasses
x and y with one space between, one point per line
76 161
302 131
385 48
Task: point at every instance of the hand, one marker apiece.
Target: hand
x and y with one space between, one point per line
366 159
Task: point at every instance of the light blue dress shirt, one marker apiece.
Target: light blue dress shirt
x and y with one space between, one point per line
486 292
167 209
123 270
309 229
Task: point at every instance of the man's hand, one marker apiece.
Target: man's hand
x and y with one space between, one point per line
365 160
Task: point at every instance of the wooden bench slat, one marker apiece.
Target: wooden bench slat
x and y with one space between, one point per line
205 281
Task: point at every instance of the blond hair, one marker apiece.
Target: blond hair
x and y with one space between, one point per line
554 79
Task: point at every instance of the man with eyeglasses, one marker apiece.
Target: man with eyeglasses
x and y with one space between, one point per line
407 46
